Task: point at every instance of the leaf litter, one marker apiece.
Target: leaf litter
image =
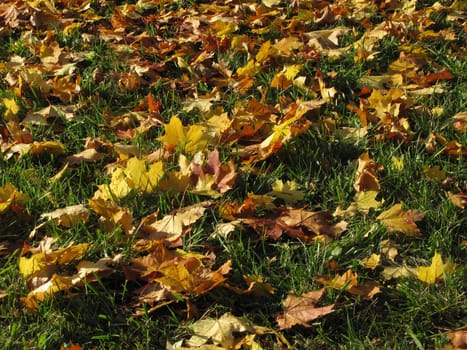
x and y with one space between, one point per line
251 130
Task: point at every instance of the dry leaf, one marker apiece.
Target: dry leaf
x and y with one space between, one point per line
458 339
348 282
112 215
10 196
394 272
458 199
436 270
299 310
29 266
68 216
12 109
372 262
397 220
171 227
287 191
221 331
366 177
256 286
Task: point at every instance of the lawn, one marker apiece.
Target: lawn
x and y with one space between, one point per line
233 174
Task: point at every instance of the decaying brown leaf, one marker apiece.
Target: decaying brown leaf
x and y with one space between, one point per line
300 310
366 177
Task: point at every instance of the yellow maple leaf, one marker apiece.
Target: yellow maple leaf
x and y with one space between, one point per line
398 220
111 215
9 195
263 52
434 173
291 71
12 109
398 162
248 70
117 188
53 147
191 139
436 271
139 177
286 191
35 263
372 262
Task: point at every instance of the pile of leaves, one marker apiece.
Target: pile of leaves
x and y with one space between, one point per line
208 96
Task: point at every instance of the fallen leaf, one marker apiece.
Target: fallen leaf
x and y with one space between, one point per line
29 266
299 310
256 286
458 339
348 282
389 249
372 262
458 199
366 177
47 147
171 227
434 173
220 331
112 215
10 196
436 270
286 191
394 272
395 219
68 216
12 109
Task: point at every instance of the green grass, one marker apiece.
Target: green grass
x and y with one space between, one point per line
407 314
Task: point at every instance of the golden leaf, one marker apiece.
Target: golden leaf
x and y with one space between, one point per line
53 147
9 195
398 162
397 220
372 262
171 227
436 270
286 191
12 109
29 266
112 215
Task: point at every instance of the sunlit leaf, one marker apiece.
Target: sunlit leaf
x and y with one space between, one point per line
299 310
398 220
12 109
221 331
9 195
28 266
436 270
287 191
372 262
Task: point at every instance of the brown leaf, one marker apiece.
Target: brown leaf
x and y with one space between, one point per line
458 339
366 177
320 223
299 310
458 199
